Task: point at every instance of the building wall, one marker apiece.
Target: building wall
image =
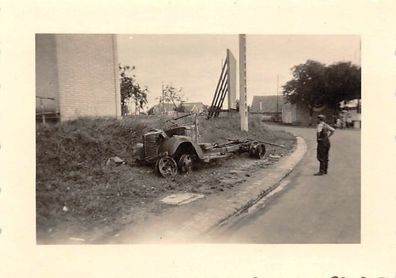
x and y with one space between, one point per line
88 76
46 73
289 113
297 114
269 104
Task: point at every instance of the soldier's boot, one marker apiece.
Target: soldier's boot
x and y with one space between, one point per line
325 166
321 169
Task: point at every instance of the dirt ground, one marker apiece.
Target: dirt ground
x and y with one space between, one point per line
78 196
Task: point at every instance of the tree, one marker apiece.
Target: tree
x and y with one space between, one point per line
131 90
343 83
172 95
315 84
307 86
180 108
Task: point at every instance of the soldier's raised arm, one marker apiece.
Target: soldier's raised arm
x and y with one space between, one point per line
331 130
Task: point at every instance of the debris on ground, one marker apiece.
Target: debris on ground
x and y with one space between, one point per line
78 195
273 156
181 198
115 161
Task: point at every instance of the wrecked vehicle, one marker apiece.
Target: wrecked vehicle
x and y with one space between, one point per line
176 150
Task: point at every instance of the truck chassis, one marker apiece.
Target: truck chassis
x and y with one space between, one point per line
174 150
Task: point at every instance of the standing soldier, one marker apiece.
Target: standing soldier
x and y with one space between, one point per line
324 131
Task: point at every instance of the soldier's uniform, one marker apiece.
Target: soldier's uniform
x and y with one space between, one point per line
323 132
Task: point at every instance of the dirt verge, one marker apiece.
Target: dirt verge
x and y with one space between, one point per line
79 196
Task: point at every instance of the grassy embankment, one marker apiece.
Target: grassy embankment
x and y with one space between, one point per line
75 188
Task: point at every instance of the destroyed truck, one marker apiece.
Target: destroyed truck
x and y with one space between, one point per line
176 150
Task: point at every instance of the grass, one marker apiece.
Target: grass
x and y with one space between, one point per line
76 190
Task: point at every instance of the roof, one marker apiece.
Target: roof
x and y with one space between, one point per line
163 107
192 103
193 106
267 104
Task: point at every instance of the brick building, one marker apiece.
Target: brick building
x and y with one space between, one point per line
77 76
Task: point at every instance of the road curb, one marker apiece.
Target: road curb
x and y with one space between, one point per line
287 165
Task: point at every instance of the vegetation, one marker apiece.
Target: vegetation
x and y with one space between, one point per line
315 84
171 94
131 90
78 192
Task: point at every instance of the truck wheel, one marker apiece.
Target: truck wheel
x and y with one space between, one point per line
185 163
257 150
166 166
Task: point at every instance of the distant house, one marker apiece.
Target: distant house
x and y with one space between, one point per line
268 105
193 107
162 108
277 108
298 114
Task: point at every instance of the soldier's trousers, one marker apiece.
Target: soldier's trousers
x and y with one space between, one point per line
322 155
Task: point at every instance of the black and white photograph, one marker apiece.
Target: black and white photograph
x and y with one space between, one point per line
198 138
202 139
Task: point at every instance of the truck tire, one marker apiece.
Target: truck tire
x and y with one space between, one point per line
166 167
185 163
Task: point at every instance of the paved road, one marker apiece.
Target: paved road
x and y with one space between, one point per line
311 209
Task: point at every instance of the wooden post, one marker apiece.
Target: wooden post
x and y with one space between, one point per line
243 109
231 82
277 98
196 128
163 100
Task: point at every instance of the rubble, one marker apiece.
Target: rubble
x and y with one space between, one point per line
274 156
181 198
115 160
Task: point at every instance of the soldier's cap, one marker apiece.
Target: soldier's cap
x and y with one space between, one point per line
321 117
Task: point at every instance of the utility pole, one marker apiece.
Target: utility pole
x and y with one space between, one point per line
243 109
163 99
277 96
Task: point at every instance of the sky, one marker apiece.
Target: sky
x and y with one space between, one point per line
193 62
